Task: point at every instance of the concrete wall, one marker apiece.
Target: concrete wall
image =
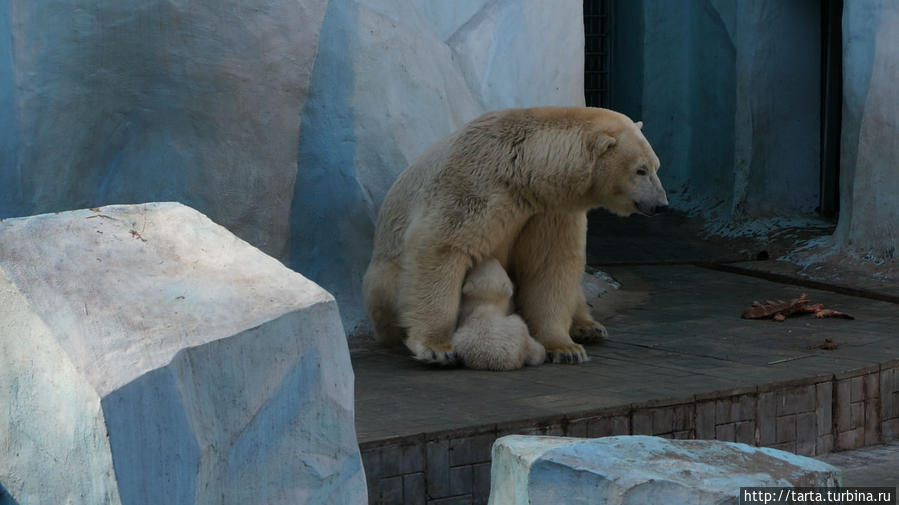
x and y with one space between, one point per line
778 119
391 78
284 120
869 178
110 101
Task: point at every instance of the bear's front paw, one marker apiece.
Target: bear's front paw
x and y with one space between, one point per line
430 353
589 334
573 353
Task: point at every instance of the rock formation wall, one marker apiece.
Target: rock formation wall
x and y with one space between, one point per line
869 152
285 121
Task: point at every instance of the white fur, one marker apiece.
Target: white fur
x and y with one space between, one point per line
489 336
514 185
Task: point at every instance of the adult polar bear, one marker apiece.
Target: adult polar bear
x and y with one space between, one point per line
515 185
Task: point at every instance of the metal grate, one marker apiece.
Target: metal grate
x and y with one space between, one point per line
597 53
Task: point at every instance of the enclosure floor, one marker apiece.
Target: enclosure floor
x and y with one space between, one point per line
686 340
869 466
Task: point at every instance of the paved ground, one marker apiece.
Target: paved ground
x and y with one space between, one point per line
683 338
686 339
876 466
853 280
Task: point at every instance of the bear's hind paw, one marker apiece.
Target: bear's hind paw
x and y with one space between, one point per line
572 354
438 356
589 334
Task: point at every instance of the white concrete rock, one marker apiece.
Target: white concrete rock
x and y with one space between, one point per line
523 53
636 470
149 356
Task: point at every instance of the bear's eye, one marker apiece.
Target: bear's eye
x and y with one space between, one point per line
642 171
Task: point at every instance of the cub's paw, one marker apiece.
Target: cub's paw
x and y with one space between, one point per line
442 354
535 354
590 333
572 353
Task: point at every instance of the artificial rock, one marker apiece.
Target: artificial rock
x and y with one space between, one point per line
149 356
635 470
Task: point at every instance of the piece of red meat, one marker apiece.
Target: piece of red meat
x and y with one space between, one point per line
779 310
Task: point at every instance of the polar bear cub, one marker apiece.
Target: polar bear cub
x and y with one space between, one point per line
489 336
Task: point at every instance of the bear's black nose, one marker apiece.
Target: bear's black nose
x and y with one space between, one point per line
659 209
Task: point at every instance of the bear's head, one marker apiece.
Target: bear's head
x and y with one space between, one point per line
625 176
488 283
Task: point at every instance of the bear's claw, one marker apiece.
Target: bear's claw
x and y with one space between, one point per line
571 354
432 354
589 334
437 357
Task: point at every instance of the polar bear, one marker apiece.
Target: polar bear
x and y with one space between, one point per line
489 335
515 185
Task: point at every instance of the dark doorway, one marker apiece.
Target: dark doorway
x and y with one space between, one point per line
745 117
831 105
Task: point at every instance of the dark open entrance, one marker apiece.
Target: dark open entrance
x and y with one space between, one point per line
831 105
741 103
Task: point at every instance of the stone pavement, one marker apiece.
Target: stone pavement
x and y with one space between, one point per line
853 279
682 364
687 339
876 466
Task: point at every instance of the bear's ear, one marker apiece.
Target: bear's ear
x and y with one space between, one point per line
639 125
599 143
468 288
508 290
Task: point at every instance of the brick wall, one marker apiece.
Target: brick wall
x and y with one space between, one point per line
808 417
